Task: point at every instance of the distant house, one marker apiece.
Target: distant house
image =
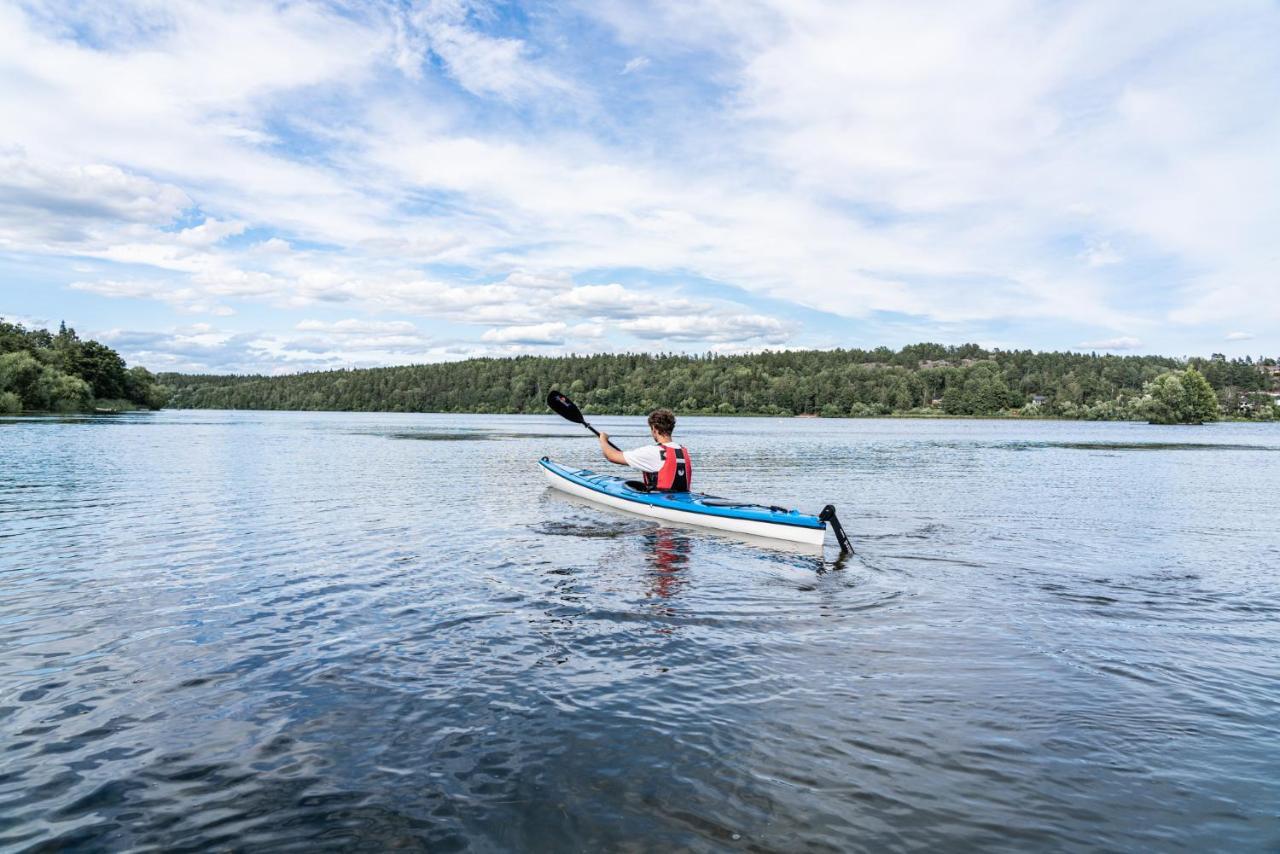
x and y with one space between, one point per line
1039 400
1248 402
937 401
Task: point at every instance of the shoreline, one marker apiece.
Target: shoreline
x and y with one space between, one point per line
904 416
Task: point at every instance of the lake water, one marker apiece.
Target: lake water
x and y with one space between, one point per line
370 631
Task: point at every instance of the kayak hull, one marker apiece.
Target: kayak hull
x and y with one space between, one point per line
751 521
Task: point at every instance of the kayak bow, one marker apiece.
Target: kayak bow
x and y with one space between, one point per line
691 508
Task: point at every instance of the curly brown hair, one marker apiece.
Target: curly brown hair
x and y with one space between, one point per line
663 420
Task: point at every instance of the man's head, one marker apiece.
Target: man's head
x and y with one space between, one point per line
662 422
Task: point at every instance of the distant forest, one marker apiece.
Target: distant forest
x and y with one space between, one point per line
60 372
921 379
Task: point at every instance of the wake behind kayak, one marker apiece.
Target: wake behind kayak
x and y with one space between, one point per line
695 508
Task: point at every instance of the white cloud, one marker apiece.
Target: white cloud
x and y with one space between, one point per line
615 300
204 348
482 64
1242 297
112 288
353 349
1239 336
147 103
943 163
183 299
547 280
536 333
1100 254
30 322
272 245
209 232
554 333
995 129
58 207
729 328
353 326
1121 343
227 281
199 349
90 191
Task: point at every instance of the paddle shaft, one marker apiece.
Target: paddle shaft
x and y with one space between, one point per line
597 432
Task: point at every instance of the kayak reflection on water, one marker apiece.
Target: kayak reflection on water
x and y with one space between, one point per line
664 466
668 556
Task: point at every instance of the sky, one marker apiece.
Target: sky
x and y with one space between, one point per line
273 187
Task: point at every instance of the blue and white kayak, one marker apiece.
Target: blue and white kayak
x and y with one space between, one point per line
689 508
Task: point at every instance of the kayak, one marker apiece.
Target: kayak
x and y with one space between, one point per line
690 508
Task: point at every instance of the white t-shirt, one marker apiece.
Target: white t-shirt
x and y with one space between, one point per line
647 457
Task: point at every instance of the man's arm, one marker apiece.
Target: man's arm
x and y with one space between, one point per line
611 453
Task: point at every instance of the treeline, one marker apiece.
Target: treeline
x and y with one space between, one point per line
919 379
41 370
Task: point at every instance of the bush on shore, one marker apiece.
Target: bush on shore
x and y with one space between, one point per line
61 373
1179 397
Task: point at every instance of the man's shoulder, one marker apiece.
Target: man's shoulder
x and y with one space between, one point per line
647 457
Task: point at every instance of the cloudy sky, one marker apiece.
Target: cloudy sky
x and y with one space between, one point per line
280 186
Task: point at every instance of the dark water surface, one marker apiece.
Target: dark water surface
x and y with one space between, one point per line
274 630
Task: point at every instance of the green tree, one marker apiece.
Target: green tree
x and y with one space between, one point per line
68 393
850 382
61 372
140 386
102 368
1180 397
979 390
1203 402
40 386
22 375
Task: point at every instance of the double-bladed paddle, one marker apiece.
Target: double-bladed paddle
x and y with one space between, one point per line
567 409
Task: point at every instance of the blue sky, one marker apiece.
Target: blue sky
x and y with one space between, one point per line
272 187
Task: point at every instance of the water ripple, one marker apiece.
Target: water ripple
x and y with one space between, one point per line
293 630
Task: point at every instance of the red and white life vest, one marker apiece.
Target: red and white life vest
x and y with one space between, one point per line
676 473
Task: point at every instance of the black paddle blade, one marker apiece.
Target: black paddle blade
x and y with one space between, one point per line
564 407
828 514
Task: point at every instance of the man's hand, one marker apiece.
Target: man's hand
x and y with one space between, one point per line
611 454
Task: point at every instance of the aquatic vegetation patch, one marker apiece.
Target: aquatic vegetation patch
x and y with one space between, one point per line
1135 446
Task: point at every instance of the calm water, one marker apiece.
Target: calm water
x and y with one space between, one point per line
338 631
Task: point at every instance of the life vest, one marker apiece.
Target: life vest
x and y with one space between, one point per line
676 471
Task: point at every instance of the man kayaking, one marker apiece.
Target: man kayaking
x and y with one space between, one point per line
672 470
665 466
